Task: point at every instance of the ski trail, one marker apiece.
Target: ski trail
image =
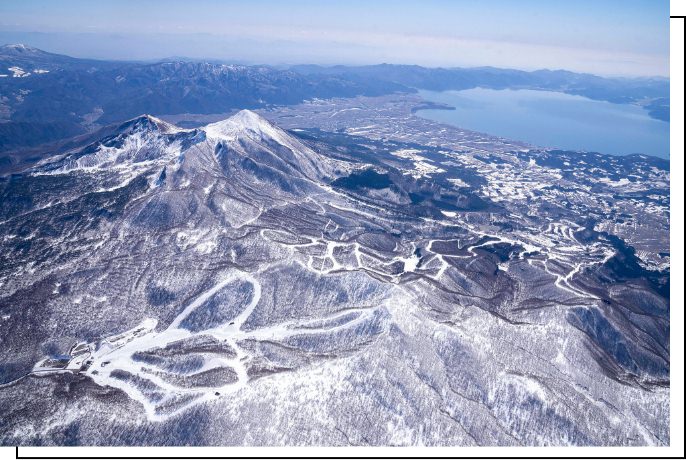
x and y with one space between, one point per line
113 362
116 355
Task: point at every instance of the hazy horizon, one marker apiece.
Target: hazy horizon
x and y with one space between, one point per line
601 38
229 61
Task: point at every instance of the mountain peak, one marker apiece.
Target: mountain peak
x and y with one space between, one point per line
20 48
243 122
250 135
248 117
147 122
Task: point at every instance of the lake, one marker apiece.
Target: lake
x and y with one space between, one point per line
552 119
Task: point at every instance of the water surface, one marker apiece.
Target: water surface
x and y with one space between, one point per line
552 119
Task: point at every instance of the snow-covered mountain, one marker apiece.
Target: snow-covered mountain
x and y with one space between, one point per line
49 97
239 284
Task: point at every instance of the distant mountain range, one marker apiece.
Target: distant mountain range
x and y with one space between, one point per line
651 93
45 97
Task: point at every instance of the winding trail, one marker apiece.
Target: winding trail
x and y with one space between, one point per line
111 362
117 354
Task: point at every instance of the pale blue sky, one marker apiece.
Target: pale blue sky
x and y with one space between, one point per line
609 37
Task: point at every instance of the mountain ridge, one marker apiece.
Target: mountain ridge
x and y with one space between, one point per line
159 278
68 96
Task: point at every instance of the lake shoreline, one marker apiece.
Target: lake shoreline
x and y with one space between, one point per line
551 120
